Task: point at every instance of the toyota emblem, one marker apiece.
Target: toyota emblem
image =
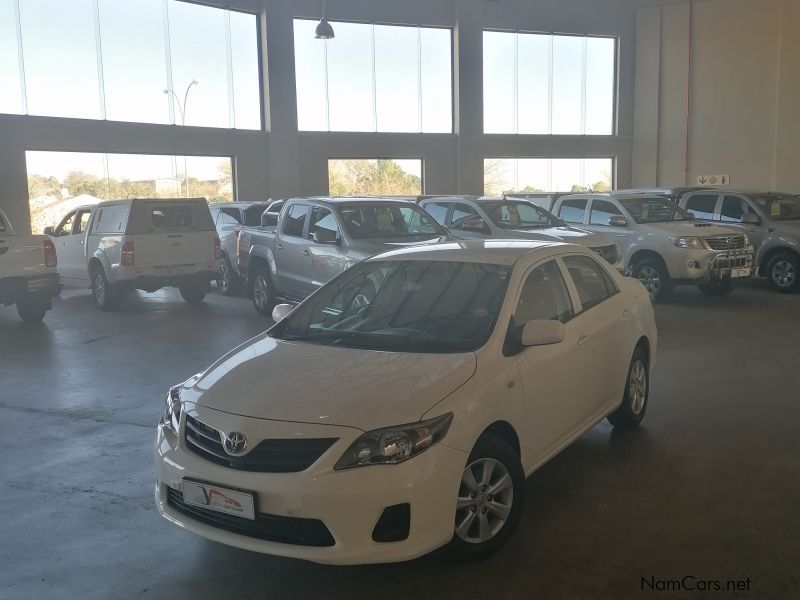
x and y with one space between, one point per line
235 443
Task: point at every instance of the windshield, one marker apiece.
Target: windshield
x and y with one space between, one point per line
403 306
372 221
780 207
518 215
654 210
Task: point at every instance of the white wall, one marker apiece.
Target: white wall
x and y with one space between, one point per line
744 93
281 161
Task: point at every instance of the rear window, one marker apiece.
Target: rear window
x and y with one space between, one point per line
171 216
188 215
111 219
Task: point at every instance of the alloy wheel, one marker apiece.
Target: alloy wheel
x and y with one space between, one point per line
637 387
650 278
783 274
99 289
261 292
223 281
484 501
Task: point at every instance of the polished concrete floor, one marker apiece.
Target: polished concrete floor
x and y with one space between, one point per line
708 487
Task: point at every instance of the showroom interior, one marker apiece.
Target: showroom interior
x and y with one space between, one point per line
254 101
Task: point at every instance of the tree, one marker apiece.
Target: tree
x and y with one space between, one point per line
41 185
79 182
359 177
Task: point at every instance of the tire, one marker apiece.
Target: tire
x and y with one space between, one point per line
106 296
783 271
637 391
32 309
194 292
263 292
717 287
469 541
654 276
228 280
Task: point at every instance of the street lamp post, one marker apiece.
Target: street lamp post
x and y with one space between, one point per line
182 111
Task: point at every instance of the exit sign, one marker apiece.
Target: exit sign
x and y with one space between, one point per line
713 180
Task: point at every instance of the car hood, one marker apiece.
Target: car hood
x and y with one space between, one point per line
692 228
267 378
365 248
572 235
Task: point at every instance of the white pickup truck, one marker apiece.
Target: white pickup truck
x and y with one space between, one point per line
28 276
141 244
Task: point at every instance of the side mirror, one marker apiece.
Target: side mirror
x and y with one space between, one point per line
269 219
325 236
542 333
49 231
751 219
617 221
280 311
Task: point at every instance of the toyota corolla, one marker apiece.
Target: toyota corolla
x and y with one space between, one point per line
399 408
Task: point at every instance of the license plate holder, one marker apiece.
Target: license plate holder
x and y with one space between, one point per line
220 499
740 273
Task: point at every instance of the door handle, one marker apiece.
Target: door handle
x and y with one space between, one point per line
306 252
582 339
280 246
627 313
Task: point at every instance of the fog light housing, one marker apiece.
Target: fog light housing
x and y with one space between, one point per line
394 524
693 264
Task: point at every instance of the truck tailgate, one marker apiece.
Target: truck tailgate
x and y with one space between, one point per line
173 249
22 256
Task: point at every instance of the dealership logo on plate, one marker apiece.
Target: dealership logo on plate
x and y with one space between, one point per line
235 443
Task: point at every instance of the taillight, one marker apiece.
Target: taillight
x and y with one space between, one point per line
127 258
50 257
217 248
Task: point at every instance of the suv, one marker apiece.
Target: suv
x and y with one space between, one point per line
479 218
770 219
229 218
138 244
661 243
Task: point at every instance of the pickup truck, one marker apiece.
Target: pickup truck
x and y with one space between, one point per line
28 276
314 239
144 244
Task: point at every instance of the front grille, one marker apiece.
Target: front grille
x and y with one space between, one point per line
273 528
733 262
608 252
726 242
269 456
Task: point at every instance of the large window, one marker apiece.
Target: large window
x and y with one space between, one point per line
130 61
58 182
375 177
373 78
548 84
506 175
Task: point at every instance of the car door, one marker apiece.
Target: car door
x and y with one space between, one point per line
325 259
62 242
467 222
556 379
606 326
734 207
600 213
292 251
75 266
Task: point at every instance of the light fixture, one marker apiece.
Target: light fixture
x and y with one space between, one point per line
324 31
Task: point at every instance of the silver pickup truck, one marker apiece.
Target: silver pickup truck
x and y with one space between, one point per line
317 238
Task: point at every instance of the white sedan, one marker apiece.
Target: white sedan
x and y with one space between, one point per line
400 407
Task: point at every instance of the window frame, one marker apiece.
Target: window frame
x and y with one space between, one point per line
745 201
524 280
80 212
285 224
487 230
609 201
561 202
315 207
715 216
574 287
70 215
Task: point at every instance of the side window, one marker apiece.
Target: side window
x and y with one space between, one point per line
702 205
573 211
594 284
466 218
734 208
65 227
233 214
545 202
82 221
296 220
602 211
322 218
544 297
226 220
438 210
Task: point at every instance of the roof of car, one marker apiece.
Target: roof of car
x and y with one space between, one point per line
353 199
242 203
615 194
490 251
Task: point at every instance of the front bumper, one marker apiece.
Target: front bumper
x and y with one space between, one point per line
13 289
698 266
348 502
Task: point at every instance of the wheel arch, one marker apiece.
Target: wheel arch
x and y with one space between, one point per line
774 251
503 430
643 254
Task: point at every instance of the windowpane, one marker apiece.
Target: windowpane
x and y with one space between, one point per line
567 175
567 84
533 83
198 49
573 211
600 82
310 80
375 177
134 64
593 283
10 82
544 297
60 58
296 220
702 206
350 78
322 219
533 175
436 80
244 65
546 175
498 82
734 208
397 78
602 211
438 210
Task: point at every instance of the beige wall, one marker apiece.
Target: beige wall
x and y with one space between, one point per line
745 92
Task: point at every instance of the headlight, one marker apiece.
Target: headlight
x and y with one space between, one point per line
394 445
172 409
689 242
